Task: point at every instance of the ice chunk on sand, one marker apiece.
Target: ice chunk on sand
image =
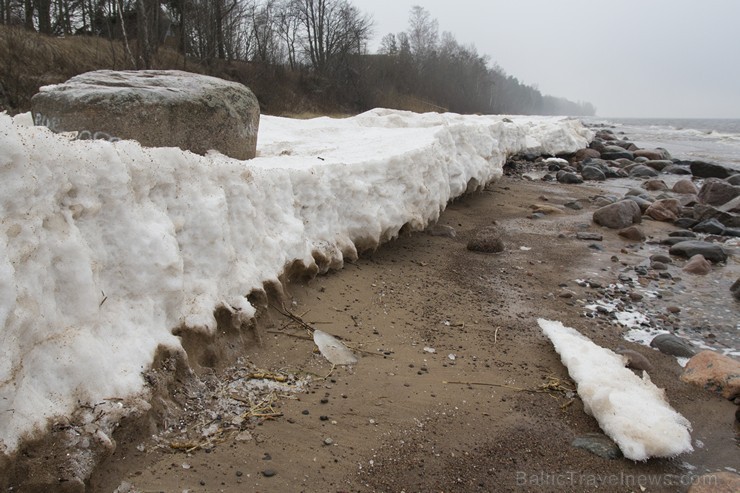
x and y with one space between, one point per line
631 410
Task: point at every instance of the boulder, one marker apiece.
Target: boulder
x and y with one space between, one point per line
677 169
717 192
641 201
621 154
632 233
685 186
583 154
592 173
618 215
653 154
734 179
569 178
658 164
654 185
673 345
664 210
689 248
158 108
487 240
685 222
698 265
703 169
735 289
703 212
714 372
710 226
731 206
642 171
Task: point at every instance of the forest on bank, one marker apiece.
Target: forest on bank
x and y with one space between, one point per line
298 56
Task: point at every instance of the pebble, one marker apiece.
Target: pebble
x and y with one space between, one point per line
268 473
328 441
598 444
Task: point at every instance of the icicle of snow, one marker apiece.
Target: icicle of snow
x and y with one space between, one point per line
631 410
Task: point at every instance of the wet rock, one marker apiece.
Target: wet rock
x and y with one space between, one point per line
673 345
598 444
677 169
652 154
487 240
569 178
716 482
654 185
685 186
592 173
640 201
672 240
714 372
658 266
682 234
632 233
574 205
613 152
711 251
635 360
583 154
734 179
735 289
602 200
732 206
618 215
659 257
642 171
584 235
729 219
717 192
704 169
685 222
666 210
698 265
658 164
710 226
442 230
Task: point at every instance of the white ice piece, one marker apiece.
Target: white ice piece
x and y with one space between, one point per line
631 410
332 349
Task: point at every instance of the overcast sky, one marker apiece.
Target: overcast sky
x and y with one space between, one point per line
630 58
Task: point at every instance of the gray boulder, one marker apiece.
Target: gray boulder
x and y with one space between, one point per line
710 251
673 345
703 169
710 226
592 173
618 215
734 179
717 192
642 171
158 108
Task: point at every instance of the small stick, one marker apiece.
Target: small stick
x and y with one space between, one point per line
489 385
495 335
297 336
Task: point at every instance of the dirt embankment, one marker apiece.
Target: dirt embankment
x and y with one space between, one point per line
456 388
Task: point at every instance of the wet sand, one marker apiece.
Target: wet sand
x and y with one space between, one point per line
489 410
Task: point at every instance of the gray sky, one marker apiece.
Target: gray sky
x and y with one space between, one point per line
630 58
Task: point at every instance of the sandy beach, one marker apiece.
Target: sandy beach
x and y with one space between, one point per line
456 388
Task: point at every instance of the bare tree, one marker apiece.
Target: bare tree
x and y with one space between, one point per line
423 33
332 30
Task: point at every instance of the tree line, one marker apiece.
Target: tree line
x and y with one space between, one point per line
316 50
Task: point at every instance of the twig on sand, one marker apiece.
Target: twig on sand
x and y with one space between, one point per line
495 335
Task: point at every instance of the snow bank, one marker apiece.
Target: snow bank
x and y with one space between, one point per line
105 248
632 411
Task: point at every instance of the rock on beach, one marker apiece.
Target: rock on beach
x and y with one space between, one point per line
714 372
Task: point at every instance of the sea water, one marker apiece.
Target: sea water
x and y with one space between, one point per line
710 317
714 140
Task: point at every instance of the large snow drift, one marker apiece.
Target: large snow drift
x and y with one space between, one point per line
105 248
631 410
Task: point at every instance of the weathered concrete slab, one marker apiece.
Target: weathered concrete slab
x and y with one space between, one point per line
158 108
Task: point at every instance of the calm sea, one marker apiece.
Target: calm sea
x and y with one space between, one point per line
716 140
